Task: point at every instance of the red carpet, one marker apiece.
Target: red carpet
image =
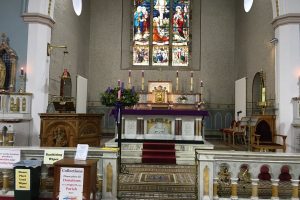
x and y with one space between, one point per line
13 198
159 153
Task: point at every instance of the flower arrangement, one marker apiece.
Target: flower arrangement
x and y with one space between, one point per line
182 98
127 97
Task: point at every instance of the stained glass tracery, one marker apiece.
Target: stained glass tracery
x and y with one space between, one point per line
161 31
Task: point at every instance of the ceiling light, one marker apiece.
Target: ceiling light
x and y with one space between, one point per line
77 5
247 5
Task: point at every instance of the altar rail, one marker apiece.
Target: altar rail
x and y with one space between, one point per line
247 175
107 158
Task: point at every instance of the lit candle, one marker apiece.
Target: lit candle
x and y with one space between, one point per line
263 94
22 71
201 87
177 73
143 80
129 73
192 73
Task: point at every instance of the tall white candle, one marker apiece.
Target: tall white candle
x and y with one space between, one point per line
143 80
129 79
177 82
192 80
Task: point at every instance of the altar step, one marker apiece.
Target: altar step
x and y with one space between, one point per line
159 153
185 153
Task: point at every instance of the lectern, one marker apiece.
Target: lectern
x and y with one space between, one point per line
89 177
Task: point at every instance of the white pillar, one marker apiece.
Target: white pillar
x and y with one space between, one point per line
287 31
40 23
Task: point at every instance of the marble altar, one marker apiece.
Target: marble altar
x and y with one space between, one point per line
158 124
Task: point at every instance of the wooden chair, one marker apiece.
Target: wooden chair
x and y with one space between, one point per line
239 132
227 132
259 145
236 130
264 137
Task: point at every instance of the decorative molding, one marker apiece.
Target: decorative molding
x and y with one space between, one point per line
292 18
38 18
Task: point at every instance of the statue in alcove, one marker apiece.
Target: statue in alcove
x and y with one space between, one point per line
65 84
8 62
2 74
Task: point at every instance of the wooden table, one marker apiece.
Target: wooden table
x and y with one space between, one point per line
89 179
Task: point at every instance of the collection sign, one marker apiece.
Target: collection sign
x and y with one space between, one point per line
8 157
71 183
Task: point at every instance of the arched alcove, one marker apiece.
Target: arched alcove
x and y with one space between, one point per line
255 93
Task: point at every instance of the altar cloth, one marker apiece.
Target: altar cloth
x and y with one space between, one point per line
165 112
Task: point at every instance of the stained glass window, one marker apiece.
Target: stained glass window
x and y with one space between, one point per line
161 32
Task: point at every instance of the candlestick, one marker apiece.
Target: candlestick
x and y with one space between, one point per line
192 81
22 71
119 83
177 73
143 80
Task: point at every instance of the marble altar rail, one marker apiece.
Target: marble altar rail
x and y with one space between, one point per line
247 175
107 161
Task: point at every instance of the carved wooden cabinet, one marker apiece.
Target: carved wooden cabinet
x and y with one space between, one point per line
68 130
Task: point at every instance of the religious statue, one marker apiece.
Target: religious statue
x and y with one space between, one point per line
244 175
65 84
2 74
60 137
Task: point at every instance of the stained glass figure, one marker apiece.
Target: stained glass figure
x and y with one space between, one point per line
180 21
161 22
180 56
156 23
141 55
141 20
160 55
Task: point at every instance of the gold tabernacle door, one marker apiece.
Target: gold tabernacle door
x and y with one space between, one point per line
160 90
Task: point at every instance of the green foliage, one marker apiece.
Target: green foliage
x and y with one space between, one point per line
129 97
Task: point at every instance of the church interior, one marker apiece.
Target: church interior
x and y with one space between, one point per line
149 99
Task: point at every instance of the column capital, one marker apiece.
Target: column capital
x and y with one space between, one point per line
275 182
254 181
291 18
295 182
38 18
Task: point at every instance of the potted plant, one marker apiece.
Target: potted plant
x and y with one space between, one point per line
182 99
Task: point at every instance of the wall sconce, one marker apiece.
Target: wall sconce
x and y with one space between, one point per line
274 40
50 47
